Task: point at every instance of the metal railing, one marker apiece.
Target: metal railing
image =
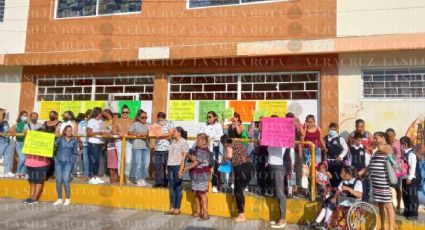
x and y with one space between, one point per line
246 140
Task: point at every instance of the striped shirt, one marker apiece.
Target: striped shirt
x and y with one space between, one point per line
379 178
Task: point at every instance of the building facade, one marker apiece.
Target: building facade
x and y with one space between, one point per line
311 54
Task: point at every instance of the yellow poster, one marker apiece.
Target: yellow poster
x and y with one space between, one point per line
39 143
75 106
93 104
278 108
46 107
182 111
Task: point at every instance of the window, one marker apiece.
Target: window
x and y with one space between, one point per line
82 8
273 86
2 3
89 88
394 83
206 3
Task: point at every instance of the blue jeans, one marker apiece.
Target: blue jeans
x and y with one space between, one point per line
63 175
176 191
85 161
142 158
94 151
21 168
216 174
6 153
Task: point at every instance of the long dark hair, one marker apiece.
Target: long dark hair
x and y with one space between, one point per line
238 116
140 112
225 139
96 111
20 115
214 115
182 132
350 170
384 135
71 115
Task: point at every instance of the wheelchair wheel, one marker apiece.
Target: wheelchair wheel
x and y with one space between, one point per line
362 215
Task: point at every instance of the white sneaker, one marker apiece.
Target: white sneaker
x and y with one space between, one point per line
246 189
9 175
67 202
99 181
58 202
214 189
141 183
93 181
232 186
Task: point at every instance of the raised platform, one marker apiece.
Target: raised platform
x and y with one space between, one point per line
157 199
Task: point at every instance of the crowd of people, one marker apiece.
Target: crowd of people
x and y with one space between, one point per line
89 147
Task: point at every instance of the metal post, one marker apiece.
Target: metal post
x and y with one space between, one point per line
313 171
122 161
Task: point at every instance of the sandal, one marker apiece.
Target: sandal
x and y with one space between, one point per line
204 217
169 213
195 215
176 213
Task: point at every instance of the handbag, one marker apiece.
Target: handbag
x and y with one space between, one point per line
225 167
392 177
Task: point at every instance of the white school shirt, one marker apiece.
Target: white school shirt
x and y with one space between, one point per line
96 126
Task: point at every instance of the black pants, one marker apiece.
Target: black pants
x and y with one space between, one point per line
160 165
410 198
263 175
216 174
335 168
243 174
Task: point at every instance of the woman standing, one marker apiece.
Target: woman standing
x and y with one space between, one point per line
21 170
379 178
200 173
95 127
66 148
162 148
243 171
82 130
51 126
313 134
214 131
400 164
68 119
141 149
175 164
236 128
120 127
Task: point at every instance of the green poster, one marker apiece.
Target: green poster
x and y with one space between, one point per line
206 106
133 106
228 113
258 114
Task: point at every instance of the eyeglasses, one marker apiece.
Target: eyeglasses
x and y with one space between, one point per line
125 112
209 117
143 117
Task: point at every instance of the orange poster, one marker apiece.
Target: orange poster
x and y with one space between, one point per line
244 108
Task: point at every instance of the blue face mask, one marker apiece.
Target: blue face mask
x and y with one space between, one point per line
333 133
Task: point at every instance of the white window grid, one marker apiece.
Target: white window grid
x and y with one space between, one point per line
405 84
43 90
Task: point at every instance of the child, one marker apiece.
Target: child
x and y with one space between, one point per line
337 151
349 190
322 179
359 154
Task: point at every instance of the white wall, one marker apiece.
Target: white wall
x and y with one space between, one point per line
379 114
10 88
14 26
375 17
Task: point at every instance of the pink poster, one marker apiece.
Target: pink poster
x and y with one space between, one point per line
278 132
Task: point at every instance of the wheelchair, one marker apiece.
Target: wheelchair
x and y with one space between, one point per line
357 215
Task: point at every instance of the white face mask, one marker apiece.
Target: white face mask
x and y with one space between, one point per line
24 119
333 133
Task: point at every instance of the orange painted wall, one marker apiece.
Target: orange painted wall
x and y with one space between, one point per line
169 23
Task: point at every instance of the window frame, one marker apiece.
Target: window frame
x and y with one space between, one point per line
4 12
384 99
229 5
92 16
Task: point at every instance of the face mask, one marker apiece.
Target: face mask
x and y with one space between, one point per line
333 133
52 118
34 120
65 119
24 119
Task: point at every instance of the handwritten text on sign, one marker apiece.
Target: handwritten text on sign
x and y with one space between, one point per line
278 132
39 143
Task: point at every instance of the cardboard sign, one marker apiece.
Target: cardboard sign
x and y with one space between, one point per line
258 114
93 104
278 108
278 132
155 130
244 108
133 106
39 143
228 113
182 110
46 107
75 106
206 106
